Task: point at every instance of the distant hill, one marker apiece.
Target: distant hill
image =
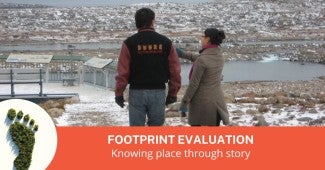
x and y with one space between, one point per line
14 5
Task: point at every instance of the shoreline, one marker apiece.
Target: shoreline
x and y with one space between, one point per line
240 88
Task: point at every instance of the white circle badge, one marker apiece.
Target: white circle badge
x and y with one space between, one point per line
28 137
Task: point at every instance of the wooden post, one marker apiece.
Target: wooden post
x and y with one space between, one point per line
12 83
40 82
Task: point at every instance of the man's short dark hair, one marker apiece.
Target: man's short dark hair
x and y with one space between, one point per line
144 18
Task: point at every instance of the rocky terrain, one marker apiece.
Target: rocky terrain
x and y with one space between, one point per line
288 103
298 103
289 30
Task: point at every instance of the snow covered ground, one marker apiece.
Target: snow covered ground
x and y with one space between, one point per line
97 108
242 20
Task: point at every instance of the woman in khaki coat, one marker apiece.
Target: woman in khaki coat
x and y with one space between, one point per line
204 95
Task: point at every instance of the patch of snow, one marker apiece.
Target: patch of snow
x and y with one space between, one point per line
269 58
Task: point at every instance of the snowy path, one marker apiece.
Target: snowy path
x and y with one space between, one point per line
96 108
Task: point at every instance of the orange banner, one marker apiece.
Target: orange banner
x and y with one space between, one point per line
194 148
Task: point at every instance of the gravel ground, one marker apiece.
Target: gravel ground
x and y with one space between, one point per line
298 103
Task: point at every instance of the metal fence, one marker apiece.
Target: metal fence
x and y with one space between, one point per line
105 77
59 70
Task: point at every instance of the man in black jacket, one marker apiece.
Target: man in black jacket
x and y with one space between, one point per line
147 61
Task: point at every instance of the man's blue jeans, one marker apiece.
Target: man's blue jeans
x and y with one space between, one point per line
150 103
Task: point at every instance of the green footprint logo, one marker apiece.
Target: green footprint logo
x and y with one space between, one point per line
22 134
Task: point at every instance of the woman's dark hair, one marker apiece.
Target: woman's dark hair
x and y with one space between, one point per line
144 18
216 36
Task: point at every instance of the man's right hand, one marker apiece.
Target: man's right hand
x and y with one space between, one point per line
170 100
120 101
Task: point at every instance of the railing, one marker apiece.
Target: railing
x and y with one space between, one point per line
21 76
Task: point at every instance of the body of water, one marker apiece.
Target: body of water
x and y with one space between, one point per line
112 45
59 46
265 71
90 3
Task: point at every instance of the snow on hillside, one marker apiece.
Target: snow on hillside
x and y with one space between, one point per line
241 20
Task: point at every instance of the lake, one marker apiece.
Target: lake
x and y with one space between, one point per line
265 71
